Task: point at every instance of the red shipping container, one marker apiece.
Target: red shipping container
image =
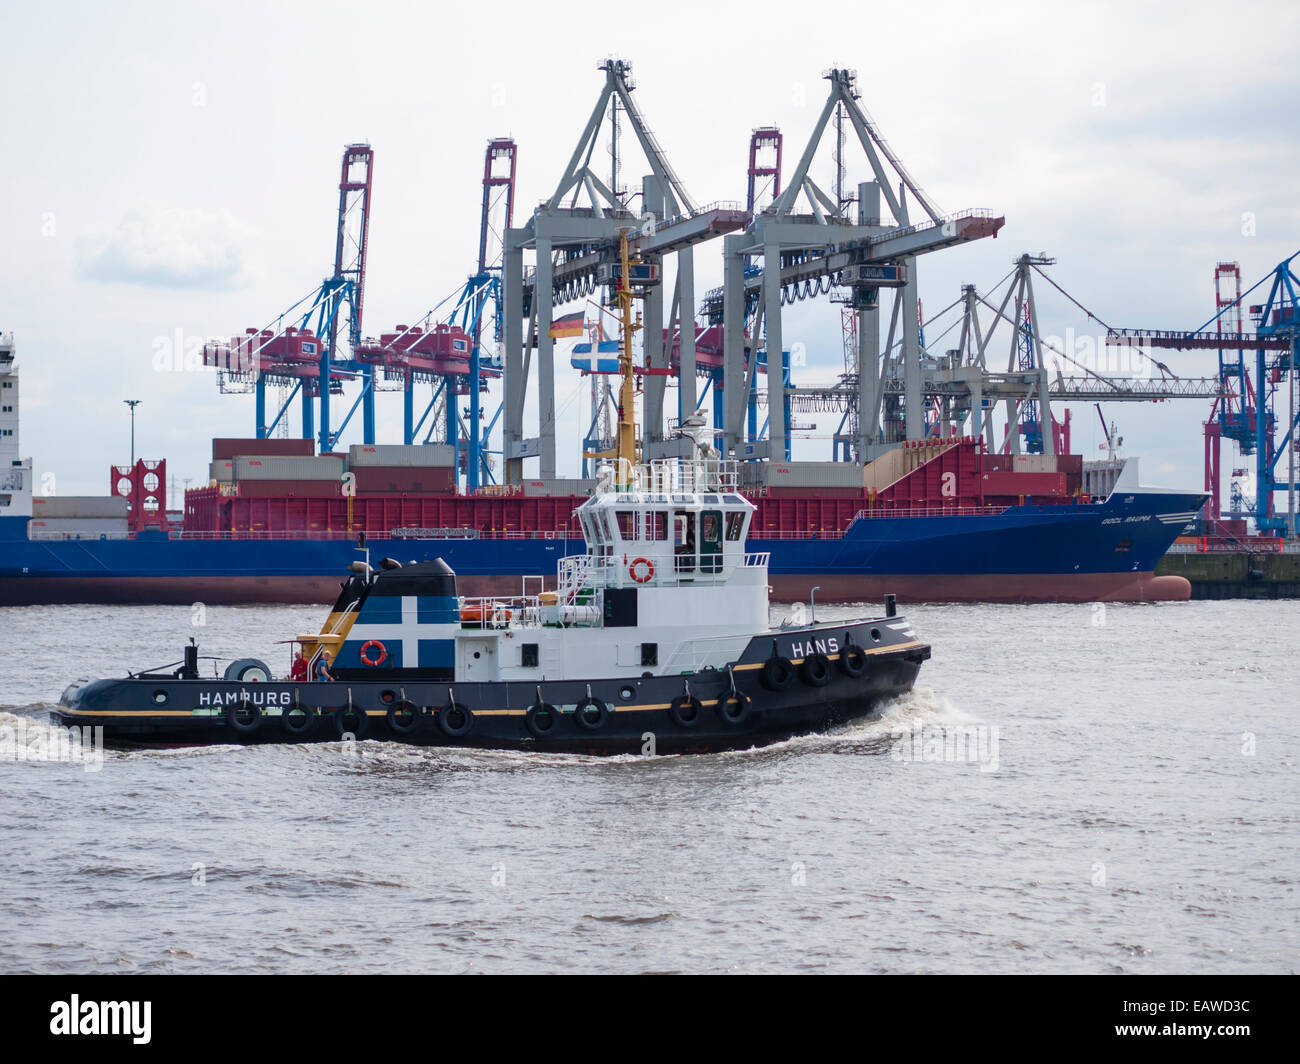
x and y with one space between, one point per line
1007 484
225 449
1070 464
403 479
301 489
776 491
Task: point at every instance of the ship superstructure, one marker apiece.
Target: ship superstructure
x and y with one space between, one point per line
15 470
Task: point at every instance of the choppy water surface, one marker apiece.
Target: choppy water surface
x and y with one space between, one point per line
1134 811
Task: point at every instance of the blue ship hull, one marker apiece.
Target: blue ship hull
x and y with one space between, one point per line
1076 552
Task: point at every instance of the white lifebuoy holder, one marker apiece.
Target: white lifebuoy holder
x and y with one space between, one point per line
649 570
372 644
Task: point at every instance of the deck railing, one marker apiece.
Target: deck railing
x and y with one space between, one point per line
1258 546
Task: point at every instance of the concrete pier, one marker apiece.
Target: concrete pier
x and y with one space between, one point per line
1240 574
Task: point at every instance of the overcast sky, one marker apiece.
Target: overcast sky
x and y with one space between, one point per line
172 170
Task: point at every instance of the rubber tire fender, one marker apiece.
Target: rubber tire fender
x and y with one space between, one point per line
351 710
816 670
455 731
395 713
677 711
538 712
742 703
308 720
777 674
249 726
853 660
584 721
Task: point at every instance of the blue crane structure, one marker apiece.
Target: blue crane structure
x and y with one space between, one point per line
305 357
301 349
1253 419
450 354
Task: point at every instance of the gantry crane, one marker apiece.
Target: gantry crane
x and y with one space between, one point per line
1253 417
305 356
449 354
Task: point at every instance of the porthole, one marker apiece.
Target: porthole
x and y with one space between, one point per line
625 693
875 634
387 697
160 697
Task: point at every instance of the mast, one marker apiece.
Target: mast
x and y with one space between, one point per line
625 456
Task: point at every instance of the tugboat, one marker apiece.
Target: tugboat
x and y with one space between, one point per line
657 639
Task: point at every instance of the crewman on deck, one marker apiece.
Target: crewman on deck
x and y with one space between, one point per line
298 671
323 674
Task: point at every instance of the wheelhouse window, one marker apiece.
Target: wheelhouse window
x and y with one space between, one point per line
735 525
656 526
627 524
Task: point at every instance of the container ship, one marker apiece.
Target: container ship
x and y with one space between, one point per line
938 521
925 501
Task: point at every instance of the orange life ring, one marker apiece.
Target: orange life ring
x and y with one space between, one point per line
367 646
649 570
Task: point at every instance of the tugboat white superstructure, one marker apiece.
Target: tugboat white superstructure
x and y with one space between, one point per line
666 587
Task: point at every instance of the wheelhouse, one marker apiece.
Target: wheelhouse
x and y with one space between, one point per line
680 537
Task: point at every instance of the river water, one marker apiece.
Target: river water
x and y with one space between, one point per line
1069 789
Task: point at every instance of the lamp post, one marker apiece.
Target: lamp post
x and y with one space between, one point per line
132 403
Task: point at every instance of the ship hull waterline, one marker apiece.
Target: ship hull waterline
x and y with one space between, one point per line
1071 553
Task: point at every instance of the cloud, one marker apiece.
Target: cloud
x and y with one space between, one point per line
172 248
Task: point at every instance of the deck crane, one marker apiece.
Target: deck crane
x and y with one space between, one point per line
1276 343
1114 441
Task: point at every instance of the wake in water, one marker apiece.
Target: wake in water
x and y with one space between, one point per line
27 736
918 708
30 739
914 713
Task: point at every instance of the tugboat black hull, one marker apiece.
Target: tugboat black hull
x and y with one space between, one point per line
785 683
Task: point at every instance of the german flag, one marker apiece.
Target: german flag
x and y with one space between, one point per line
569 325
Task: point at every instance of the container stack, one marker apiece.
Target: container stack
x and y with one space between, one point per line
79 516
272 476
825 479
553 488
274 468
282 468
397 469
226 449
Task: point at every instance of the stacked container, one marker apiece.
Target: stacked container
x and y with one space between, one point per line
225 449
385 468
79 515
548 488
272 476
826 479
